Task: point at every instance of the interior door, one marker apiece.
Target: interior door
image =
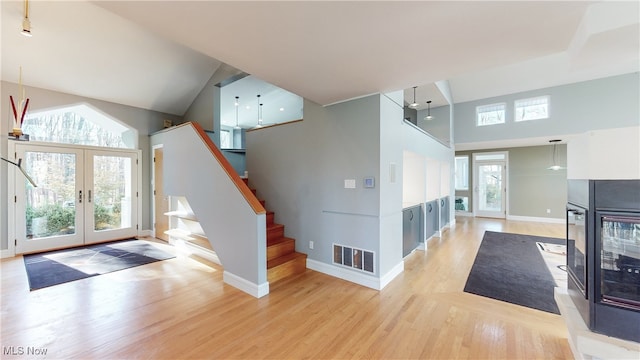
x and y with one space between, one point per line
490 185
161 202
111 195
51 215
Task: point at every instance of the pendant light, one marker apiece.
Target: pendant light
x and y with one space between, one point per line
237 104
259 112
414 104
428 117
26 23
554 167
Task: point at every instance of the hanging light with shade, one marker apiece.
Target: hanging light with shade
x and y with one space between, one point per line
26 23
237 104
414 104
428 117
259 112
555 167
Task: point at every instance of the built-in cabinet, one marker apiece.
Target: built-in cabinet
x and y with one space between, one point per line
432 217
411 229
444 211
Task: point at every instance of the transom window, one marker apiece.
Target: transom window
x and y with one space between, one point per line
532 109
490 114
79 124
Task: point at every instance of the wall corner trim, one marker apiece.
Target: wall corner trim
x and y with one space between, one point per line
255 290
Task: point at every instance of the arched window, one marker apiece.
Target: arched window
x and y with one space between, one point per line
79 124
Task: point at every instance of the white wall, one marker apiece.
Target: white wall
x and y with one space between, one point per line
605 154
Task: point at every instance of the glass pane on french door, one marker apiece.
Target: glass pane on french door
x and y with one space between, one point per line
490 190
111 198
49 215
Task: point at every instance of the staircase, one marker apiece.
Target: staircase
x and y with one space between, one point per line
282 259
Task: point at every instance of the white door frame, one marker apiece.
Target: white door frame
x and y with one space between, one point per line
505 182
13 174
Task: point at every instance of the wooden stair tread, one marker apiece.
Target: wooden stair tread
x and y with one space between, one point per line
274 226
279 240
284 259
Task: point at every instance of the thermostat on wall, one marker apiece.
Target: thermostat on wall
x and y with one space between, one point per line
369 182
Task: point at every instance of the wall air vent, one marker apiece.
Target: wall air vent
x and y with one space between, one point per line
354 258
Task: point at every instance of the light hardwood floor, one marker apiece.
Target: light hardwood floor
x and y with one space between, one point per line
180 308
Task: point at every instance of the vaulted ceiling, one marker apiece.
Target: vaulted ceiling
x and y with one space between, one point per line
159 54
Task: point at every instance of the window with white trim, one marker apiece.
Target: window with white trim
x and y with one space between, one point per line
225 139
490 114
462 172
532 109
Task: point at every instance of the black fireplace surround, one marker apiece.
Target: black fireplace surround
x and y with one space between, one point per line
603 255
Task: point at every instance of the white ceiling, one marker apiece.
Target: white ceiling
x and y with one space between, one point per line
159 54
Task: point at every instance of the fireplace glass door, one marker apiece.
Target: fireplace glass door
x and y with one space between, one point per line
620 260
577 246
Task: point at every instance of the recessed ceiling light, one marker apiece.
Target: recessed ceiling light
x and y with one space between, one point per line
281 109
247 107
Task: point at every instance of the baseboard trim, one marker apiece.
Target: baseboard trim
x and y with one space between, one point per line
389 276
354 276
6 253
255 290
536 219
464 213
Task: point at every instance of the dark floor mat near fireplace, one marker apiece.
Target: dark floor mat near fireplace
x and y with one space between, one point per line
509 267
57 267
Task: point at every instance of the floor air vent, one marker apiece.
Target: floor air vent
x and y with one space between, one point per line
353 258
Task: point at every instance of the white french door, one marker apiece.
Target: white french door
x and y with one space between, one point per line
82 196
490 184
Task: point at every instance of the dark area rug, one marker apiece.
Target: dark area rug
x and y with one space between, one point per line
509 267
61 266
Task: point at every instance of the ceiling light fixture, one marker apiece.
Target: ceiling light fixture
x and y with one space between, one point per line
26 23
428 117
554 166
237 105
414 104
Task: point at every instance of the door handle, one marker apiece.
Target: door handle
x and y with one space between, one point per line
89 197
80 196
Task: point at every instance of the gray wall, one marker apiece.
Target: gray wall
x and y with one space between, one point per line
300 168
532 189
145 121
574 109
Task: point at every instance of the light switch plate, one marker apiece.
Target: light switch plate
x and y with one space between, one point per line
350 183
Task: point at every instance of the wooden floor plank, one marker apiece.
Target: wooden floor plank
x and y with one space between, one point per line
180 308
